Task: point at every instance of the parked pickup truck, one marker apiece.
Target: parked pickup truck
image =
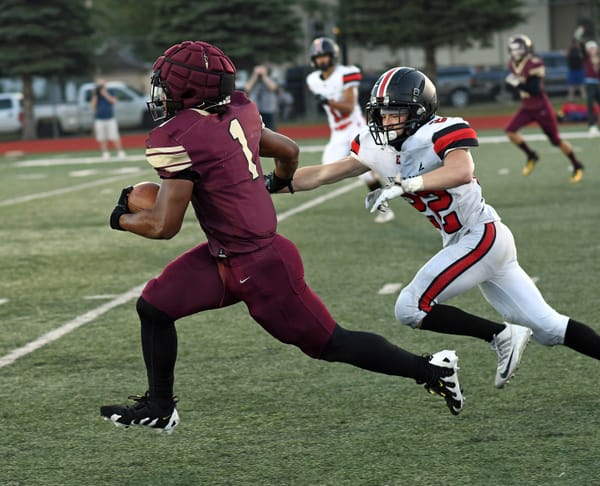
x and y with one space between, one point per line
130 110
460 85
66 118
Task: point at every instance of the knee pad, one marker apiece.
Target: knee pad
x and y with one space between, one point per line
407 310
150 315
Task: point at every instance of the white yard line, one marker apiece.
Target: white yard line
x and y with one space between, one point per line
320 200
133 293
62 190
66 328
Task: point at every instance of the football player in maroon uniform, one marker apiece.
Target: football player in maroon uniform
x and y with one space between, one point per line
526 75
207 152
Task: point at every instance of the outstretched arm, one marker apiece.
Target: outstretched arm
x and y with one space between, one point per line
313 176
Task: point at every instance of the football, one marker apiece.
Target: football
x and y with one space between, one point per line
142 196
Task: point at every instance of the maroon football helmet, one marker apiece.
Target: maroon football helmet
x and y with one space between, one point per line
519 46
190 74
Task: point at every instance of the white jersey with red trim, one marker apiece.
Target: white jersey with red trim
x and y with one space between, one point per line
332 88
452 211
478 249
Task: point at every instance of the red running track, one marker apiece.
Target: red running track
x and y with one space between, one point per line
137 141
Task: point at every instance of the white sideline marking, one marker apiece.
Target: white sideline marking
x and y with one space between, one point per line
135 292
68 327
3 301
319 200
57 192
390 288
100 297
51 162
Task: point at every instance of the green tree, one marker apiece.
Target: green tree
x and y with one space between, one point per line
250 32
50 38
125 24
429 24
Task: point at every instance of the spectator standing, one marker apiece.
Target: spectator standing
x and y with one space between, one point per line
264 91
575 74
285 102
591 81
106 127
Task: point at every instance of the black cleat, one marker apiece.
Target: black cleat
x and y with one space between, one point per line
143 412
444 381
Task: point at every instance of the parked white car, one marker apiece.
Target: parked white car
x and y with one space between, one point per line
11 112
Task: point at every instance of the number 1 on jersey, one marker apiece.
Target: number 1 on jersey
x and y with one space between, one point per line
237 133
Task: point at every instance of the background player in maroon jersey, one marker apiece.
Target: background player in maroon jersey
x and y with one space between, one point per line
526 75
207 152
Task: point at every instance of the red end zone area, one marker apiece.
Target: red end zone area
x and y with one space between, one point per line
137 141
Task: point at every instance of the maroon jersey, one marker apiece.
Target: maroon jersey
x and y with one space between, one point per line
229 197
530 66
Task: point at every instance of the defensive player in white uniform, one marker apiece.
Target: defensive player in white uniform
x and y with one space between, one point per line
427 160
336 89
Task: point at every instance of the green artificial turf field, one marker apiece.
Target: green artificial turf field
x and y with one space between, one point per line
257 412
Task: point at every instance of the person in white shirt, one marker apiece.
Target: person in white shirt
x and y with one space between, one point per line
335 87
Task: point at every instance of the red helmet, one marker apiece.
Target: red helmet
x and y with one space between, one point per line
190 74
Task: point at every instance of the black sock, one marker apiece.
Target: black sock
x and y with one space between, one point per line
159 347
582 339
451 320
525 148
374 353
574 162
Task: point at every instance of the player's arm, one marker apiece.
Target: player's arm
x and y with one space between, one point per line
457 170
313 176
348 102
532 85
164 220
284 152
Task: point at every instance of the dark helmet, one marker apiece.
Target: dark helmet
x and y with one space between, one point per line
190 74
324 46
519 46
400 90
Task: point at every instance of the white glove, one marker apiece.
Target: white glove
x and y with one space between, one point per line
377 200
513 80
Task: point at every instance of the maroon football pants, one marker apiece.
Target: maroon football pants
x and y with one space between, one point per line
270 281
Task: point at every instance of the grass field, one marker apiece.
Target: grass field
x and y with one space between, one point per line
257 412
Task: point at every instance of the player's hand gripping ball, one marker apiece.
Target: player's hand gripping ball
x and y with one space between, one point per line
133 199
142 196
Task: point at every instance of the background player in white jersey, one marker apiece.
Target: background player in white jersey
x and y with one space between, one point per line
335 87
427 158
